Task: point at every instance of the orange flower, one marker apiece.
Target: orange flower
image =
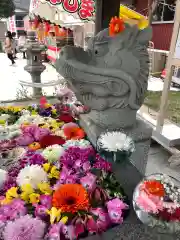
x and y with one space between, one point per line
34 146
154 187
71 198
74 133
116 26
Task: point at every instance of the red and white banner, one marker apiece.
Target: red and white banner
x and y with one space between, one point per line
84 8
12 24
33 5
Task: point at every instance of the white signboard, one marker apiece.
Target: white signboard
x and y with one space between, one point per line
177 49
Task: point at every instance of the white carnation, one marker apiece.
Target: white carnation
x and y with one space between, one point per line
33 175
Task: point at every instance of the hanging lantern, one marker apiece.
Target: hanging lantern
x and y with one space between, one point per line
62 33
41 31
46 28
56 30
35 23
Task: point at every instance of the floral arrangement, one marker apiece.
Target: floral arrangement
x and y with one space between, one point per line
158 196
115 142
58 186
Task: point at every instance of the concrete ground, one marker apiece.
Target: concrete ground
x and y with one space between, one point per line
158 162
10 77
10 88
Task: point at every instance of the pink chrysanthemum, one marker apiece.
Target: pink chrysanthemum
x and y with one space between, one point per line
25 228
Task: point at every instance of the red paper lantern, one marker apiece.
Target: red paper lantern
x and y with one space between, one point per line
36 23
56 30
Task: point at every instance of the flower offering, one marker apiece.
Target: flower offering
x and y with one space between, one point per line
57 185
157 198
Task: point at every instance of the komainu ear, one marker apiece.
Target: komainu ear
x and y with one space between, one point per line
145 35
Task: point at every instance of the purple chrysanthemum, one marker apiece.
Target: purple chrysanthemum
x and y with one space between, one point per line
73 154
25 228
32 159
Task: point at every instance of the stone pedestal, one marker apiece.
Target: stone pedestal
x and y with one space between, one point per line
34 61
140 133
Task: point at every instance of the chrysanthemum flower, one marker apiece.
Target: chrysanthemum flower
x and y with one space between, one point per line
25 228
32 175
71 198
53 153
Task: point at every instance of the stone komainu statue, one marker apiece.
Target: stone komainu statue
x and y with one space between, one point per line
110 77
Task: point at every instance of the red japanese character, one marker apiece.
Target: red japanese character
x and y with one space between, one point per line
54 2
87 9
70 7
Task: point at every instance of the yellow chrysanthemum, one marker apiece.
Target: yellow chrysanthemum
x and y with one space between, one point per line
45 188
47 167
54 111
54 173
12 193
24 196
34 198
27 188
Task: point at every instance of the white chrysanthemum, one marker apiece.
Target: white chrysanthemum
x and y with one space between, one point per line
36 119
53 153
33 175
3 176
77 143
115 141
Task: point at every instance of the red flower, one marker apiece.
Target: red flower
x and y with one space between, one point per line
154 187
51 140
67 118
74 133
116 26
167 216
71 198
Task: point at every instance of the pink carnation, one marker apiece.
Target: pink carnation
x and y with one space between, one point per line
149 203
25 228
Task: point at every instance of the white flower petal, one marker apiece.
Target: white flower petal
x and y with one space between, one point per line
33 175
115 141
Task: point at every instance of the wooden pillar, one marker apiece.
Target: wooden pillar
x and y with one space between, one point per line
173 61
105 10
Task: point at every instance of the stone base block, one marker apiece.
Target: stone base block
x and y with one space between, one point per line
140 133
